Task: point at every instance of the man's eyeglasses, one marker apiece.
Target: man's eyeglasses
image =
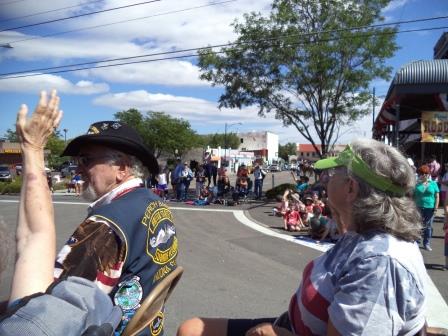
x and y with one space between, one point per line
87 161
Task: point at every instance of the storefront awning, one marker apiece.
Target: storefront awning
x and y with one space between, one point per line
418 86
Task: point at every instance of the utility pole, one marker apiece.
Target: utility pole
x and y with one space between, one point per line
65 134
225 141
373 108
225 136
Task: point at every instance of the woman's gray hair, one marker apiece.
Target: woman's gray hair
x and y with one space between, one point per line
376 209
136 166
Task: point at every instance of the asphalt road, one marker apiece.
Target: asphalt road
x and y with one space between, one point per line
230 270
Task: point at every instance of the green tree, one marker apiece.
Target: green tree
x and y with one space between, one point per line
11 135
161 132
287 149
305 63
56 146
221 140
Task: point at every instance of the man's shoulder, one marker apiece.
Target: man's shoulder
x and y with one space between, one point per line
135 199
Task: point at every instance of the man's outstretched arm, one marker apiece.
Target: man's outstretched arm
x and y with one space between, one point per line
35 235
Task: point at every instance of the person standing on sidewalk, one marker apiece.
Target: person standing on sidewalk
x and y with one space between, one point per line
444 183
445 229
259 175
426 197
175 179
434 168
200 180
186 176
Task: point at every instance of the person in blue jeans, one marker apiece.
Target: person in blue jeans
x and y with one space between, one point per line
426 197
185 177
259 175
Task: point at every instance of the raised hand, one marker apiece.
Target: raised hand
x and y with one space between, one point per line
34 132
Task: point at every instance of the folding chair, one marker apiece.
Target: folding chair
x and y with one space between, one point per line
153 303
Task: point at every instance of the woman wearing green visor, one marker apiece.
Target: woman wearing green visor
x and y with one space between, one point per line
372 282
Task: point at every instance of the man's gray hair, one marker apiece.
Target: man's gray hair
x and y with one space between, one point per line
375 209
136 166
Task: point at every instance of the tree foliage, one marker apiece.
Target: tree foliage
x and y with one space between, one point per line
161 132
11 135
287 149
305 64
55 146
229 140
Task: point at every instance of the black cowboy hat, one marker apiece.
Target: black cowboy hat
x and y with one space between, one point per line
116 135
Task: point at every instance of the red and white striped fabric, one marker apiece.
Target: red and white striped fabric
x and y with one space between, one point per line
366 285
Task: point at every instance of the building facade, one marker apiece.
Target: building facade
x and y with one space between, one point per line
308 152
10 154
264 144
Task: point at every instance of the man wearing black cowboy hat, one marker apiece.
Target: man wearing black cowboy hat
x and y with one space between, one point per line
128 241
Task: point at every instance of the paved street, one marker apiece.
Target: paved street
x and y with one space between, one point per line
230 269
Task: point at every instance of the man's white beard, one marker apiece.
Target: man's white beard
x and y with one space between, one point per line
88 193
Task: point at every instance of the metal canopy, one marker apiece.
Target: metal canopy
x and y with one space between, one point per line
418 86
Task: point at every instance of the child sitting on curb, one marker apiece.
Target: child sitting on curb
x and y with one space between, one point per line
293 221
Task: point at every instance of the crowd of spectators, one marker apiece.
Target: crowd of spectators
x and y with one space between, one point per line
306 210
303 209
212 184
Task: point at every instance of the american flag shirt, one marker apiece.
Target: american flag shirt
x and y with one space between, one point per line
371 284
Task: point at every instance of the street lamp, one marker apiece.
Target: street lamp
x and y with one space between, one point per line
65 134
225 136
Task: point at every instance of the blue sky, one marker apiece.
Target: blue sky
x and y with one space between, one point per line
170 86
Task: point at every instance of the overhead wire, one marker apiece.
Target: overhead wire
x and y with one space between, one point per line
27 74
49 11
10 2
228 44
119 22
79 15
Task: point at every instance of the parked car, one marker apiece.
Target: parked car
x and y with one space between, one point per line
293 166
5 174
274 168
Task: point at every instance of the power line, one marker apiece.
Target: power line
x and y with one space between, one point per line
10 3
119 22
228 44
49 11
23 74
79 15
218 3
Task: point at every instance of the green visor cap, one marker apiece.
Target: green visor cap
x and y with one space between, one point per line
357 166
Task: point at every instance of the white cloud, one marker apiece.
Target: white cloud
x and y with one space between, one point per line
193 109
394 4
182 30
175 73
37 83
207 118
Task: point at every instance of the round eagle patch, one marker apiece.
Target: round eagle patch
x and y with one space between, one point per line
129 294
